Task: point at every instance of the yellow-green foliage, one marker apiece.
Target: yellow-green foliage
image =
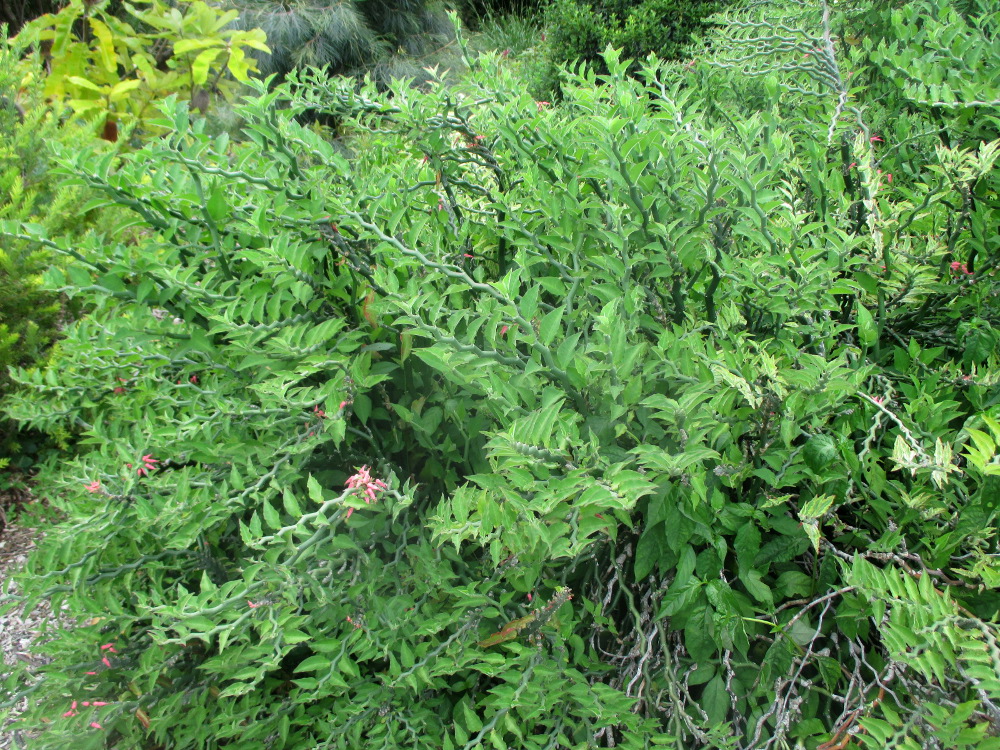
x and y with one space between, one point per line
114 71
29 131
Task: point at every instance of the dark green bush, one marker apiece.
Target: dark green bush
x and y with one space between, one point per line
580 30
640 421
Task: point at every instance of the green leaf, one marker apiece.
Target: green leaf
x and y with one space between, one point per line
291 504
362 407
649 550
715 700
698 633
980 344
819 452
549 326
867 331
271 516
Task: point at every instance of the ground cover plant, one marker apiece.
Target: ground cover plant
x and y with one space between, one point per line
664 417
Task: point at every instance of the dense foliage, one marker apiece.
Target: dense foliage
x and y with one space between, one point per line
15 13
113 71
30 314
384 37
581 30
667 416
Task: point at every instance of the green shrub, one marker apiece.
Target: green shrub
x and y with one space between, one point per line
30 315
580 30
636 421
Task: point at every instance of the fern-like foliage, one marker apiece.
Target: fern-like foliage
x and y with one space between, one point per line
938 653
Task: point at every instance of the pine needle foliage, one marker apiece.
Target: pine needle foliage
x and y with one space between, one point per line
346 37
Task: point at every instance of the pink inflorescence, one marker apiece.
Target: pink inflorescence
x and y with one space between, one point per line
148 464
364 481
960 268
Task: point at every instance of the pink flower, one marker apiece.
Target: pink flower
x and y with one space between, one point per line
148 464
343 405
889 177
364 481
109 647
467 255
106 661
95 725
319 412
541 105
252 605
94 486
193 379
71 712
960 268
875 139
853 165
503 330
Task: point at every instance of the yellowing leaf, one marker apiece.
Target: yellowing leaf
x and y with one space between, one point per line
817 507
121 90
202 63
184 46
105 45
238 65
84 83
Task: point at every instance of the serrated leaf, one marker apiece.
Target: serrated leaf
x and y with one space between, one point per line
819 452
291 504
271 517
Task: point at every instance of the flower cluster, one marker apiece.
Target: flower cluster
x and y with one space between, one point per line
148 464
364 481
960 268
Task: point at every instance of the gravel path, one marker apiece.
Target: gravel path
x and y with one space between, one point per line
17 632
